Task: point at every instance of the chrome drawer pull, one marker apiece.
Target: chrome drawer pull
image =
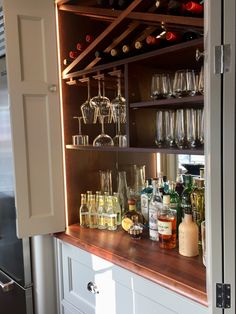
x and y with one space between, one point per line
6 287
91 286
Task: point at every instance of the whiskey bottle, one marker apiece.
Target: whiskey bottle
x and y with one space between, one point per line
154 207
83 212
132 212
188 235
175 204
167 225
111 216
101 213
198 204
93 223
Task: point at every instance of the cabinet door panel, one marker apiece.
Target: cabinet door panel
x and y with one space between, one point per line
35 115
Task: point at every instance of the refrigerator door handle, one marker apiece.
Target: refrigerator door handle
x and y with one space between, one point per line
8 286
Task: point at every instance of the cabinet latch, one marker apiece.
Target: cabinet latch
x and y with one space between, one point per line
223 295
222 58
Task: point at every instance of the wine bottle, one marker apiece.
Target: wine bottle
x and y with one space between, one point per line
116 52
80 46
194 8
89 38
105 57
162 5
190 35
175 7
73 54
172 37
153 40
67 61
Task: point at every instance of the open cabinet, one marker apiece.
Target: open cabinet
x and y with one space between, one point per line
42 144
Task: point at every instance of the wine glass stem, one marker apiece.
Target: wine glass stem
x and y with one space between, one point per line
79 120
99 88
118 87
88 89
102 123
118 126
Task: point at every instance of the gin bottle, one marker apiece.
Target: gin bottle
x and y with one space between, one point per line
175 204
146 195
154 207
186 194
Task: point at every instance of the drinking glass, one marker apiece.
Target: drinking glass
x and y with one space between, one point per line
180 134
191 128
156 86
100 101
103 139
89 111
167 90
170 127
160 129
200 124
184 83
200 83
106 181
80 139
118 105
120 139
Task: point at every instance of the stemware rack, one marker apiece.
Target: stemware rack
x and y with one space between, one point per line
114 27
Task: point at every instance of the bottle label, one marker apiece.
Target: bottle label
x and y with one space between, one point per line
144 206
153 235
153 218
165 227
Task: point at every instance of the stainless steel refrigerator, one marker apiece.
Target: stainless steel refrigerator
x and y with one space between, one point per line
15 263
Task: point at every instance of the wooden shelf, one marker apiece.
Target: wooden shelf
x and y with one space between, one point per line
191 101
193 151
193 44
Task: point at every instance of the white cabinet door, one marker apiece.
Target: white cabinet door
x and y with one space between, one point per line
35 114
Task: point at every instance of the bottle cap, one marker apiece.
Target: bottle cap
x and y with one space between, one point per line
200 182
131 201
166 199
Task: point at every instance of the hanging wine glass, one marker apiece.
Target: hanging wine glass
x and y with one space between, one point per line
103 139
80 139
89 111
101 101
120 139
118 105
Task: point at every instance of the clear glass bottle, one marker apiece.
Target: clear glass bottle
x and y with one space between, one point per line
139 184
165 186
122 191
146 195
117 208
188 235
93 223
167 225
154 207
198 204
111 215
97 198
84 212
101 213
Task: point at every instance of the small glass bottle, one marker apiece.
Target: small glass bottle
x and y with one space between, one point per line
154 207
198 204
89 193
175 204
111 216
146 195
117 208
97 198
186 194
84 212
101 213
92 212
167 225
188 235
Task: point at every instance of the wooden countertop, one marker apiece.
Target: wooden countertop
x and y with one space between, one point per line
186 276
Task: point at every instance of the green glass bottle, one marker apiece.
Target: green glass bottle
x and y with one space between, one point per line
186 194
146 195
175 203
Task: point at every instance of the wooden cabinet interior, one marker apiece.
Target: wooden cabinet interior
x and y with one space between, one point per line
83 17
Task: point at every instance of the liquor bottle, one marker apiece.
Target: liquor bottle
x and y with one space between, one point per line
101 213
167 225
92 211
179 182
132 212
186 195
146 195
189 35
117 208
202 173
198 204
111 216
188 235
175 204
194 8
83 212
165 186
154 207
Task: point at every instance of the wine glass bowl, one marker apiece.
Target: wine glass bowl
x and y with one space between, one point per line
103 139
89 111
